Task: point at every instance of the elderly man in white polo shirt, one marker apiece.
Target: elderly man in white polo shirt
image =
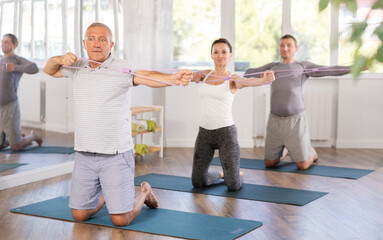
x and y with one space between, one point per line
104 159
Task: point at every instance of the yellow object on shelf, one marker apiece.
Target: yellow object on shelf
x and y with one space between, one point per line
152 125
139 125
141 149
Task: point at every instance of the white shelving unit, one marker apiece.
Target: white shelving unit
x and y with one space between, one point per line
140 112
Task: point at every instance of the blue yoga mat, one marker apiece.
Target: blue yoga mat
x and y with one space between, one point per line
4 167
248 191
41 150
157 221
327 171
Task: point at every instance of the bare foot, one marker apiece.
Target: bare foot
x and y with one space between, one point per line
315 155
240 173
37 137
151 200
284 154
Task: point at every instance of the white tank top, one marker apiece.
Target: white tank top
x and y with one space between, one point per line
216 104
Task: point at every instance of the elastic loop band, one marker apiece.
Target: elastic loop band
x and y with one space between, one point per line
127 70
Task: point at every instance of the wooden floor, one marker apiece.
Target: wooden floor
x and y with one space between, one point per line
353 209
35 161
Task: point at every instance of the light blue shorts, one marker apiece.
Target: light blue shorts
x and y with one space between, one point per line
109 174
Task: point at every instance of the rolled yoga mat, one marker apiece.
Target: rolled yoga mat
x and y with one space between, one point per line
290 167
6 166
41 150
248 191
158 221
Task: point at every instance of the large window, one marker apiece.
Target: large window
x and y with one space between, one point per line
370 43
38 42
106 12
55 31
108 17
258 27
7 16
47 28
196 25
70 22
25 40
53 27
312 31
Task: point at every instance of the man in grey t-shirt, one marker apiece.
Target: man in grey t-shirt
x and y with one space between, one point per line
12 68
287 125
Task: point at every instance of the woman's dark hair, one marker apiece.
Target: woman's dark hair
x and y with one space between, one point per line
221 40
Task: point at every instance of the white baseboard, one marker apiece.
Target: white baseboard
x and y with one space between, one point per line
259 141
376 144
56 128
322 143
179 142
246 143
34 175
29 124
187 143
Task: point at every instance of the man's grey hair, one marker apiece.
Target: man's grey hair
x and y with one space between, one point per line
98 24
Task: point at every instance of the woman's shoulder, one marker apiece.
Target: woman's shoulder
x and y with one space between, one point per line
207 71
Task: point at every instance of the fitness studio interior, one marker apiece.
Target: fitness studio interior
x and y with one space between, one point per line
223 119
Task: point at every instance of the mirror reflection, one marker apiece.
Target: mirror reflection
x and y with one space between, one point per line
33 114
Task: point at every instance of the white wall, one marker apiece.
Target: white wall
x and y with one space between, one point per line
58 102
357 110
57 115
182 116
148 42
360 113
29 99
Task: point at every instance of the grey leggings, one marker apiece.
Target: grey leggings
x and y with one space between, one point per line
225 140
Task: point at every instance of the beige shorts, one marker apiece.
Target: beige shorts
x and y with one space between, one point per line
10 123
291 132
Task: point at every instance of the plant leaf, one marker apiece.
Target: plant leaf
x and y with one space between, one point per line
378 5
336 3
379 31
358 65
351 5
323 5
379 53
357 31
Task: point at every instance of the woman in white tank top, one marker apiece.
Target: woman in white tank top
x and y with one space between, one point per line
217 129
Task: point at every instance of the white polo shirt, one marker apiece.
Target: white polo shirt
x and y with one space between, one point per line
102 99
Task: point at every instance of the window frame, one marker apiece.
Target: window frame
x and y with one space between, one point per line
227 25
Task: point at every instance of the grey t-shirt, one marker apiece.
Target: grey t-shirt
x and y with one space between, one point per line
287 90
9 81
